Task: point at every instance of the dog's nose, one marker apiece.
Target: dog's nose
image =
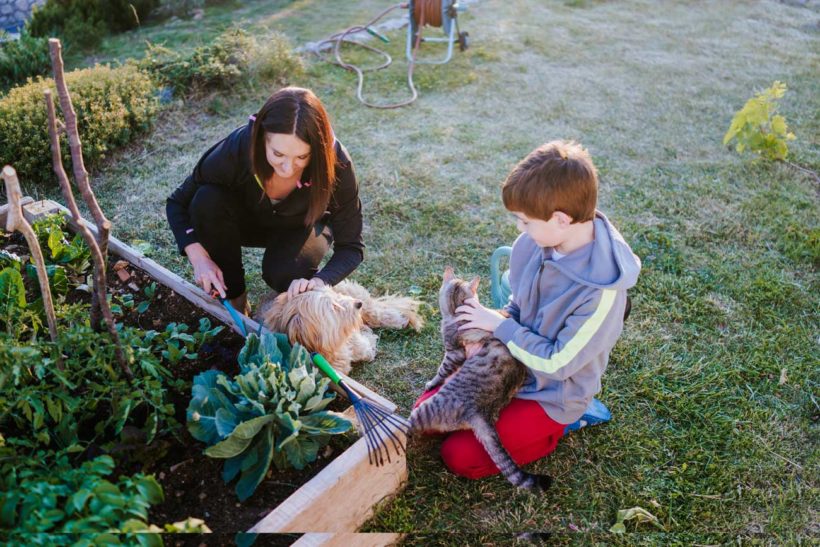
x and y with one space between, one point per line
358 304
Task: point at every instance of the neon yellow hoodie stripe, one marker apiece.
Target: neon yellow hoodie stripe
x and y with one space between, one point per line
574 346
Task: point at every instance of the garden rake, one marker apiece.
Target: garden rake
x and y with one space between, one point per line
378 423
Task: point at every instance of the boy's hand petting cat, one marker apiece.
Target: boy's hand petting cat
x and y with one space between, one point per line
477 316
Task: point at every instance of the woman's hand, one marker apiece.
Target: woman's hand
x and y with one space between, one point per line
301 285
477 316
206 273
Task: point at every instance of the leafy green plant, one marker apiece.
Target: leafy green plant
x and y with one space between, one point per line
124 302
51 406
179 344
150 292
62 499
271 412
40 500
758 128
23 58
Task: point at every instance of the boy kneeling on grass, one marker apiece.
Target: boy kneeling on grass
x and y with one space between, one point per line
569 272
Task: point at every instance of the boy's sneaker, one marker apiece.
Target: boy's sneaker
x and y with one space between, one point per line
596 413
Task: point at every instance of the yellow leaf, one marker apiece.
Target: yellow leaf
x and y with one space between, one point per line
779 125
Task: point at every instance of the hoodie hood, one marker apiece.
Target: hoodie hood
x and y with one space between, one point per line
605 263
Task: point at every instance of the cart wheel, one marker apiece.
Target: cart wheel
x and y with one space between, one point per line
463 44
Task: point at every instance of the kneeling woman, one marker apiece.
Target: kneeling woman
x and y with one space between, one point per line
283 183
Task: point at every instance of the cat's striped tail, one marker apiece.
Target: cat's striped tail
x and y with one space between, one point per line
485 432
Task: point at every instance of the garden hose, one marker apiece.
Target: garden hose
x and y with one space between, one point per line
422 12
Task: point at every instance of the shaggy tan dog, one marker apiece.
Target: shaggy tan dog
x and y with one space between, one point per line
337 321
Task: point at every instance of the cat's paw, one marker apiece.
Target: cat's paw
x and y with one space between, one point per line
432 384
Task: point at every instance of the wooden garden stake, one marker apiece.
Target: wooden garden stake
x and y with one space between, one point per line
96 252
80 174
15 221
78 164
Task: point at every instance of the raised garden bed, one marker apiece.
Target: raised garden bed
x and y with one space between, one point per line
338 492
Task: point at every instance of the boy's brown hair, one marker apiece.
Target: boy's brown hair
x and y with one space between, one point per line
556 176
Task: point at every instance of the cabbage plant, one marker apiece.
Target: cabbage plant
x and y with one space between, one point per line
272 412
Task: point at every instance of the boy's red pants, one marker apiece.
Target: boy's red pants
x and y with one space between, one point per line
526 431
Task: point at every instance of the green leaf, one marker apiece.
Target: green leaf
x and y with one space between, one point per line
150 490
228 448
77 501
142 307
299 357
248 429
225 421
324 423
252 476
109 494
240 439
201 413
302 451
779 125
55 243
151 426
12 290
123 409
231 468
55 409
269 348
248 353
317 403
8 508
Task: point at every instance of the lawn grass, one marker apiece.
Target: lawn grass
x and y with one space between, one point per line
714 384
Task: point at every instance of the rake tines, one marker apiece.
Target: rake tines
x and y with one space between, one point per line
379 426
378 423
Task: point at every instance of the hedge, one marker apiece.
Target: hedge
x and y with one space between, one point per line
113 105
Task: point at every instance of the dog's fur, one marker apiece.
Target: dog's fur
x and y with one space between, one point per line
336 322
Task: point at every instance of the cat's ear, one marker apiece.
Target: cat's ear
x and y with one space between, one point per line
449 274
474 284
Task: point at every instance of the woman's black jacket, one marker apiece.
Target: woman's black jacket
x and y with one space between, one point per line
228 164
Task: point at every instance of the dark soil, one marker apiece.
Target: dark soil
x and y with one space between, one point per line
192 482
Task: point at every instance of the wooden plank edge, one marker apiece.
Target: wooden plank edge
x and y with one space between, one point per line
341 497
187 290
4 210
345 539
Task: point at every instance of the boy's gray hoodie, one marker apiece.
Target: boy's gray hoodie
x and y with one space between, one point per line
566 315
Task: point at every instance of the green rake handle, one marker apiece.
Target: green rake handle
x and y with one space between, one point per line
325 367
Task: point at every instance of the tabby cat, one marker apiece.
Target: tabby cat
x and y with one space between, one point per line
480 378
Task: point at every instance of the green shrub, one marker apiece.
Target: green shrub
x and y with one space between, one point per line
758 128
233 57
23 58
113 105
83 23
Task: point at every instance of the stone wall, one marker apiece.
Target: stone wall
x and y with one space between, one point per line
13 13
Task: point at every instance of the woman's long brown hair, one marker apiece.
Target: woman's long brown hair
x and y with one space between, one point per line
299 112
